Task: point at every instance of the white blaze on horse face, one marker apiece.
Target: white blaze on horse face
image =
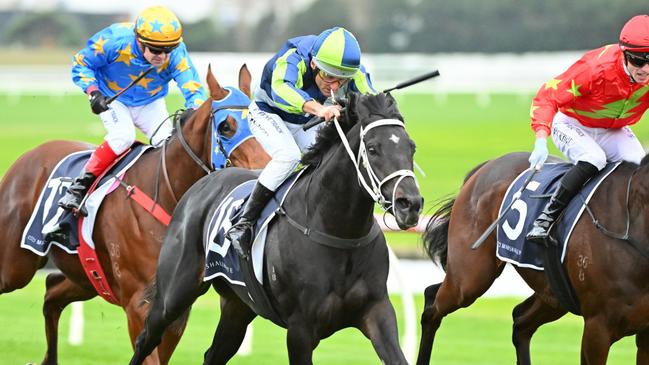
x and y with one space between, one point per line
394 139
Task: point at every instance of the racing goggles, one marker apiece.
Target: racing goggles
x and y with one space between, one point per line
637 59
160 50
330 79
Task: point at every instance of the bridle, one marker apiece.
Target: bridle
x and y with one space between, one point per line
183 142
373 188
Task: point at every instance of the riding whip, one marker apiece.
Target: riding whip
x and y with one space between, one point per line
317 120
135 81
516 196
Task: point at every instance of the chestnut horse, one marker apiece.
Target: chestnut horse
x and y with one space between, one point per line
127 238
609 275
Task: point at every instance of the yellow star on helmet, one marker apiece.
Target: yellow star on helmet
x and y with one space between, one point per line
192 86
98 45
144 82
78 59
114 86
155 91
125 55
183 65
552 84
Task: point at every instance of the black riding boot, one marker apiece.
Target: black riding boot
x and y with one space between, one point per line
569 186
73 197
240 234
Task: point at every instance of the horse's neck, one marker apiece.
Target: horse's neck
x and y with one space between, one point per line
340 205
181 170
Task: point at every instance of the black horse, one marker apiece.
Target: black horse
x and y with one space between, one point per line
315 289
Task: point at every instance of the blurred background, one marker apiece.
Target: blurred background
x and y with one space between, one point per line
493 55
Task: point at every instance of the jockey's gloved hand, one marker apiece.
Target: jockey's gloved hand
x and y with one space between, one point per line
539 154
98 102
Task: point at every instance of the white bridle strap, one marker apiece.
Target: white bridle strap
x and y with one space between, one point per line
374 187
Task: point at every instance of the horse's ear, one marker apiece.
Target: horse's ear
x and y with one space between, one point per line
216 91
351 113
392 103
244 80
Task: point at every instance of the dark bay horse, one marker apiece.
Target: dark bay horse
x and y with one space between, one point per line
609 276
315 289
127 237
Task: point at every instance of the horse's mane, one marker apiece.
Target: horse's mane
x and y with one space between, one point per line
359 108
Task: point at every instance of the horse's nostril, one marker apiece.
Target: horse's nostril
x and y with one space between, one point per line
403 203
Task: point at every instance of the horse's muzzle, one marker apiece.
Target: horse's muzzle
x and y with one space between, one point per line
406 210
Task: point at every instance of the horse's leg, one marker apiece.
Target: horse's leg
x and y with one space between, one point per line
528 316
135 314
170 302
380 326
595 342
178 284
17 265
229 334
300 341
60 292
458 290
428 328
642 343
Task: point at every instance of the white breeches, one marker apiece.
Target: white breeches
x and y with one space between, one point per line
595 145
284 142
120 122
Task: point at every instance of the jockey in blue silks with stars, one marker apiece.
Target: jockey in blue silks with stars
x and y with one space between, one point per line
112 59
294 86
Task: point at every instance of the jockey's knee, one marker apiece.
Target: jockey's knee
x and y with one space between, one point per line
595 158
120 142
289 155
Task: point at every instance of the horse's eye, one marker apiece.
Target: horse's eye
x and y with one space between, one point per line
224 127
372 150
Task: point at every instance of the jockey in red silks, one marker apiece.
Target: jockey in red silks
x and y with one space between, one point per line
588 110
114 58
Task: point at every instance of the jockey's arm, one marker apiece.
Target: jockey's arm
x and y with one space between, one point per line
287 75
327 112
187 79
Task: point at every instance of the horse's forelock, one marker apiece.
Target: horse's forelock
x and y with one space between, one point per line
363 108
379 106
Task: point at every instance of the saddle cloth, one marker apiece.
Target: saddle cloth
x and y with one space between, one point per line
220 258
512 229
48 216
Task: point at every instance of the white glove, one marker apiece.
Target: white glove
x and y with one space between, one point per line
539 154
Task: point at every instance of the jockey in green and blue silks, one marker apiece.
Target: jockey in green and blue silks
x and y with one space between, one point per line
288 81
294 86
112 59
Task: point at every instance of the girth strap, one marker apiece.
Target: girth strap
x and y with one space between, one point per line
329 240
